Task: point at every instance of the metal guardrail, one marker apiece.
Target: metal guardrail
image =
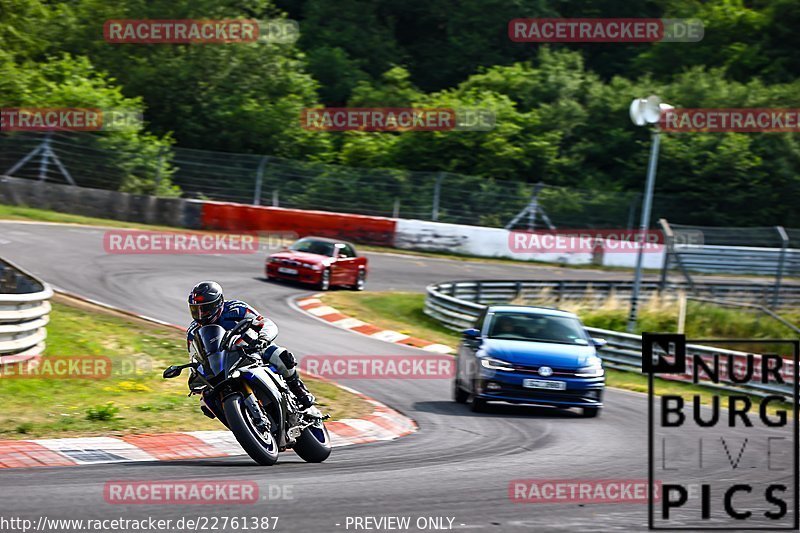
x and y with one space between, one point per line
502 291
738 259
760 251
457 304
24 313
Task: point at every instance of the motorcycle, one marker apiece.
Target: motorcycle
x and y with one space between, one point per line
250 398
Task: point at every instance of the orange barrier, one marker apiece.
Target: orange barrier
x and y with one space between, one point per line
239 217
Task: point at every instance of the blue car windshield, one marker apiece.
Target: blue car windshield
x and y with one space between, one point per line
538 328
314 247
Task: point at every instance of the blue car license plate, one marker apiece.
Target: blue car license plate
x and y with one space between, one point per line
544 384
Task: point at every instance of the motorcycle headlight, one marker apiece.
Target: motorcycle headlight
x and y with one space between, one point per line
593 370
496 364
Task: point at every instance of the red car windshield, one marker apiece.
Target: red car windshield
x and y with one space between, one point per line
314 247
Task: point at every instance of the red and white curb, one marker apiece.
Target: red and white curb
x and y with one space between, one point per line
314 306
384 424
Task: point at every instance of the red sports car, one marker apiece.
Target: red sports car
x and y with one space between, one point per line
321 262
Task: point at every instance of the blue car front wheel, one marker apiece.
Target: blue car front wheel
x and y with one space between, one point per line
590 412
477 404
459 394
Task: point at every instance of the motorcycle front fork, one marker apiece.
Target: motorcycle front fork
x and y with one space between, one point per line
256 413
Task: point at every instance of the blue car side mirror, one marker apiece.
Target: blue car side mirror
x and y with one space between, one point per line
599 343
472 333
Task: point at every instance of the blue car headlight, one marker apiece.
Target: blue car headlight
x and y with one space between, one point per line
593 370
496 364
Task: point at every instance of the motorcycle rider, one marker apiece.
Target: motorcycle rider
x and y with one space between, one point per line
207 306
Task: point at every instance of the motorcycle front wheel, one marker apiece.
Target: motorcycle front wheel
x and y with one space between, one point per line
261 447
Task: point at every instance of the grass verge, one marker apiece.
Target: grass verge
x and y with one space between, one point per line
133 397
703 320
398 311
403 312
32 214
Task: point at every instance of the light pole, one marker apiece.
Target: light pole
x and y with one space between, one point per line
645 111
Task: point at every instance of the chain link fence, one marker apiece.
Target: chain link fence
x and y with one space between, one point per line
760 237
773 252
91 161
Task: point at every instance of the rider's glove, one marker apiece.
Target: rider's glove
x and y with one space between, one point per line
256 348
248 340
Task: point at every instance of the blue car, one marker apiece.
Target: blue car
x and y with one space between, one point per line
530 355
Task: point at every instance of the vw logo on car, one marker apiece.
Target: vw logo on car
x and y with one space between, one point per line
545 371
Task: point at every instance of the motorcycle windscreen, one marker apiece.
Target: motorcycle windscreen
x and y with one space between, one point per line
221 362
208 340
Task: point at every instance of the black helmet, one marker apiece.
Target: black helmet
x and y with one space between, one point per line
205 302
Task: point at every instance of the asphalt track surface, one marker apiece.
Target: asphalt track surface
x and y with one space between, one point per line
458 465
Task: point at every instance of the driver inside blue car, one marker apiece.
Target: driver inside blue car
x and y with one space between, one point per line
207 306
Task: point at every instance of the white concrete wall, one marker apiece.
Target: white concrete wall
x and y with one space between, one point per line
494 242
653 258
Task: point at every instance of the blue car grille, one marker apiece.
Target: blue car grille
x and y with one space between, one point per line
534 369
582 396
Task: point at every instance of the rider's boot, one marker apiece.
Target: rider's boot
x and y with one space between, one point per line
304 398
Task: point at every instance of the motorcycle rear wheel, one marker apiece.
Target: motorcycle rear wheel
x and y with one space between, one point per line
314 444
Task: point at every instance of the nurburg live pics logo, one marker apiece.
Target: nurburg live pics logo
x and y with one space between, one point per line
740 450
